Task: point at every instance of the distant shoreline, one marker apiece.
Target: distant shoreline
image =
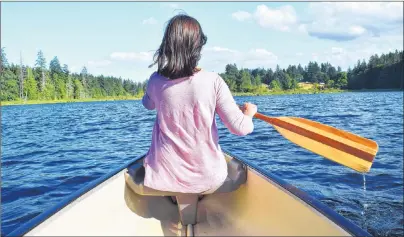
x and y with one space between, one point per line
35 102
288 92
304 91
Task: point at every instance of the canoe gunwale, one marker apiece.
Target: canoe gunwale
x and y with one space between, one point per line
332 215
339 220
37 220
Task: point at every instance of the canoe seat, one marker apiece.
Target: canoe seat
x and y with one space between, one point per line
187 203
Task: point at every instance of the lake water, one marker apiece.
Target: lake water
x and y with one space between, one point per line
49 151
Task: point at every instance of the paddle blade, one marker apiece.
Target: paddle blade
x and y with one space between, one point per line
334 144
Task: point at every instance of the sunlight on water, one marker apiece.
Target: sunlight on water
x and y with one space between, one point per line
365 205
50 151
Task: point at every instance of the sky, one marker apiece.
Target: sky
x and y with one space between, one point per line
120 38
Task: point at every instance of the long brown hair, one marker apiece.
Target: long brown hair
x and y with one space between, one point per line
180 49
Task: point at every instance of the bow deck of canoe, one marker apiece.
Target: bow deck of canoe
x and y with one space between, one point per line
263 205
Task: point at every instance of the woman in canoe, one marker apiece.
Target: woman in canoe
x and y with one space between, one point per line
184 155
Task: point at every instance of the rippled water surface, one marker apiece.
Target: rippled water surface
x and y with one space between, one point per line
49 151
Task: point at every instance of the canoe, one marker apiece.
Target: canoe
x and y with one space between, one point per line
252 202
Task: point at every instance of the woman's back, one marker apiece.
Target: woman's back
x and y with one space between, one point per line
185 155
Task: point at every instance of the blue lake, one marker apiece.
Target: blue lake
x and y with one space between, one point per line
49 151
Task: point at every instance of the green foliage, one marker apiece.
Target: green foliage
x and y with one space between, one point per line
58 83
287 82
275 85
341 80
245 85
256 81
3 58
8 86
380 72
49 91
54 66
31 86
60 88
77 89
40 61
330 84
69 88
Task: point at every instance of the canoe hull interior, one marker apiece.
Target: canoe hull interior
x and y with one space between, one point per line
261 206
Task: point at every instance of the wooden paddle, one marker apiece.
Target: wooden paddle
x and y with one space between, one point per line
339 146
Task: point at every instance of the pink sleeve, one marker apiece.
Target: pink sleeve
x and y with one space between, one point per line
147 101
229 112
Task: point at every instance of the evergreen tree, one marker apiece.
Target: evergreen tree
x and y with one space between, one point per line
41 66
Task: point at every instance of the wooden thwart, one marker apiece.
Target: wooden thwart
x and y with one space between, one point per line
337 145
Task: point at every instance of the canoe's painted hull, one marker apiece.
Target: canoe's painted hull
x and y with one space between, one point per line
265 205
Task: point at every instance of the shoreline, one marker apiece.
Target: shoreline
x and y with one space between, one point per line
287 92
36 102
307 92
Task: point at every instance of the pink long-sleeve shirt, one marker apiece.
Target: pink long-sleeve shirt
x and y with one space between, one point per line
185 155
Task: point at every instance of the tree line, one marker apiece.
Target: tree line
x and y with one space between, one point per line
56 82
380 72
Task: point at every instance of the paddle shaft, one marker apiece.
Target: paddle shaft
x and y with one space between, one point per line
265 118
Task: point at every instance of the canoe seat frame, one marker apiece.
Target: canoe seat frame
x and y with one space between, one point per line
187 202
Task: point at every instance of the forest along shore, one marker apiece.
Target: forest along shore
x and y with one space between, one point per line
304 88
21 84
280 92
32 102
274 93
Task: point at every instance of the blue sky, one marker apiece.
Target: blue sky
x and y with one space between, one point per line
119 38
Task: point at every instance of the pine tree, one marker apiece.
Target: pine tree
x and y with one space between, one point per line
84 74
3 62
41 65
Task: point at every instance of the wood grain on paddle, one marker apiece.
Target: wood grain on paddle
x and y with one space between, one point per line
337 145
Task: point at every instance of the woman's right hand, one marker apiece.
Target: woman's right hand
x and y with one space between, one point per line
249 109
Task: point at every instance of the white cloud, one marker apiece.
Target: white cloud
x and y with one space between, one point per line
315 56
129 56
258 58
349 54
173 5
302 28
101 63
345 21
337 50
241 15
220 49
170 5
385 11
334 29
75 68
337 21
281 18
261 54
149 21
343 54
216 58
356 30
137 74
